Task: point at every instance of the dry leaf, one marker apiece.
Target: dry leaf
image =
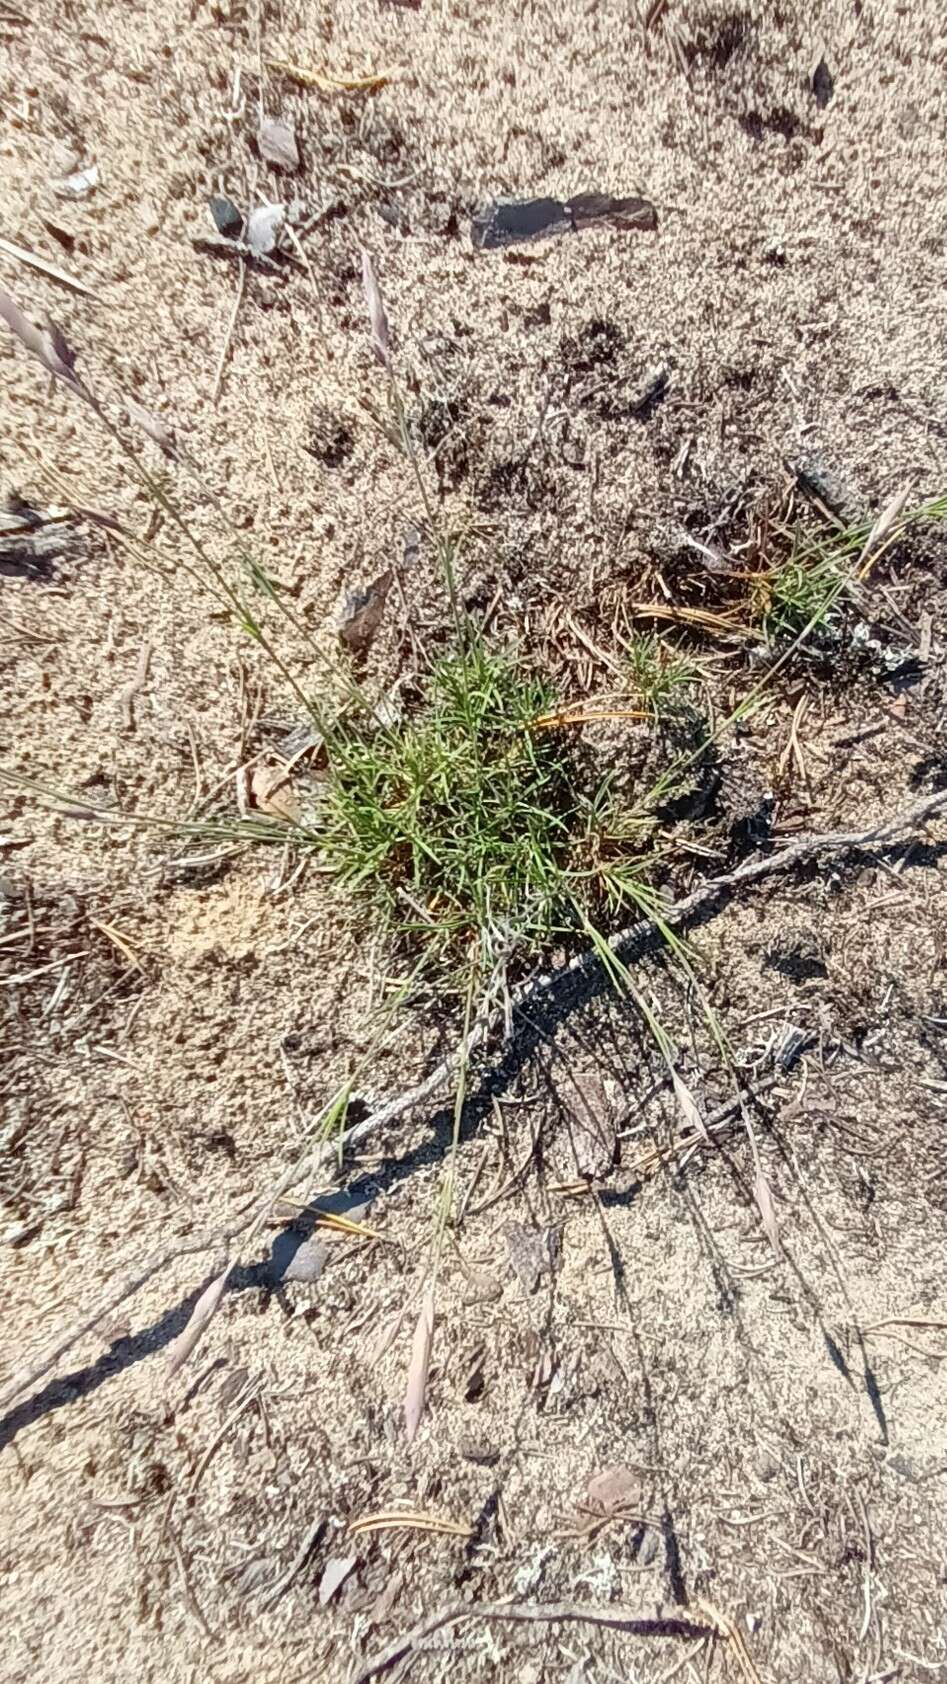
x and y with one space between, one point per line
362 613
157 430
76 186
614 1488
381 339
336 1571
271 792
263 226
533 1252
329 83
419 1365
202 1314
276 139
46 343
688 1104
764 1199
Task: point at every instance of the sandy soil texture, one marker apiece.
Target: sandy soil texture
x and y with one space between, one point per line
638 1399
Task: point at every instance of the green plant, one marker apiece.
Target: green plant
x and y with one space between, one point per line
464 824
660 674
805 590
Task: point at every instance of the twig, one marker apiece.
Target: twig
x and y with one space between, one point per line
752 871
620 1619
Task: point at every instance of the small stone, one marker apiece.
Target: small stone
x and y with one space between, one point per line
227 218
767 1467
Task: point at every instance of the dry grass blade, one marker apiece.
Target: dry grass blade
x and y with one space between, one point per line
884 523
44 267
730 1632
719 623
693 1115
419 1366
410 1520
764 1199
200 1318
381 338
46 344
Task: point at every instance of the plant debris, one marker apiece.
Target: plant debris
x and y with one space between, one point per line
362 613
263 227
534 1252
334 1574
329 83
78 185
510 222
419 1366
614 1489
276 139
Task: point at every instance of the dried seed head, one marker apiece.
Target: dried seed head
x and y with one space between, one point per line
46 344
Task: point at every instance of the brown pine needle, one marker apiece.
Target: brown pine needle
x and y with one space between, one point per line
730 1632
327 82
333 1219
721 623
411 1520
551 721
118 940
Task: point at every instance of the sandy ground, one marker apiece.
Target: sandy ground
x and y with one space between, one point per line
177 1010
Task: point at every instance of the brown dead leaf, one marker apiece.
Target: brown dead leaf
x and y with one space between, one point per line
276 139
613 1489
419 1366
202 1314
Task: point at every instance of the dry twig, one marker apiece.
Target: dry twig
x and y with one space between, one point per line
619 1619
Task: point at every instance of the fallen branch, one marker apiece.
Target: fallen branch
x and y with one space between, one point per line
619 1619
752 871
